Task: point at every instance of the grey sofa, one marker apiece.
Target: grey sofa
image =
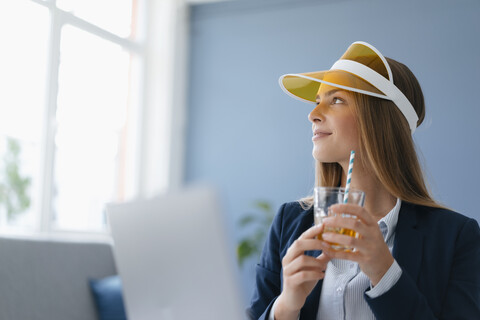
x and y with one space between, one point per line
48 279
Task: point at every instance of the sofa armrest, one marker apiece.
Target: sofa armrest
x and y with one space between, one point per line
49 279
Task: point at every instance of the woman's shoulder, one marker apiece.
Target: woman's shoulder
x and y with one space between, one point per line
296 206
441 217
294 210
290 222
292 216
439 213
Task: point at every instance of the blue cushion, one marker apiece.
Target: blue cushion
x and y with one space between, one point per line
107 293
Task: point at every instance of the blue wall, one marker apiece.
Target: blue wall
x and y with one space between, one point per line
254 142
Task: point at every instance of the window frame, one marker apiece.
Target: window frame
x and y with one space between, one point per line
161 140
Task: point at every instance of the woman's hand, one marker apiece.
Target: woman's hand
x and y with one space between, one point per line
300 273
371 252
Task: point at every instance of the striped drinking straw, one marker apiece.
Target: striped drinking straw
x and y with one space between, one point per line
349 176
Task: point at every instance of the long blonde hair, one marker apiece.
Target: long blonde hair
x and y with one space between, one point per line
386 143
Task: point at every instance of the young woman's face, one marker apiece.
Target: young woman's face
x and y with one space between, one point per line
334 126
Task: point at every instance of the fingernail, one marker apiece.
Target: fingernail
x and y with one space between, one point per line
326 235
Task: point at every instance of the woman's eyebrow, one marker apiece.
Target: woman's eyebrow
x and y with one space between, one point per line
328 93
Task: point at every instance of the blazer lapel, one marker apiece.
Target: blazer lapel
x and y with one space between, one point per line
310 309
408 245
308 223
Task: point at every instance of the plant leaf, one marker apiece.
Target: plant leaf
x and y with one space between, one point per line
263 205
248 219
245 249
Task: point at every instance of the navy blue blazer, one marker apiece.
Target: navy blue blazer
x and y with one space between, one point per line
437 249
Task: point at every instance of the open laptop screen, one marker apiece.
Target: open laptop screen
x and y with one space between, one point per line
173 257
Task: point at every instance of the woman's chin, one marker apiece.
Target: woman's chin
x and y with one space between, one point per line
322 155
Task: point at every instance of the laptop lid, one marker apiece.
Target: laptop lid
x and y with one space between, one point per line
173 257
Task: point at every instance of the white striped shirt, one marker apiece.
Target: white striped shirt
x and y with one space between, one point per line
344 283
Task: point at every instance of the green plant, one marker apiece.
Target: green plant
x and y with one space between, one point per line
251 245
14 197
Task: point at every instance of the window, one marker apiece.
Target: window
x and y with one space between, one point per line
76 111
91 123
23 63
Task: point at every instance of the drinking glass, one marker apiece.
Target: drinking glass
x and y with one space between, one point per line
324 198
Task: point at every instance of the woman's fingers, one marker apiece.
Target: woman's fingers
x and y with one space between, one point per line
296 261
311 232
304 262
324 258
305 242
344 241
354 209
351 223
366 237
339 254
370 250
299 247
301 272
304 276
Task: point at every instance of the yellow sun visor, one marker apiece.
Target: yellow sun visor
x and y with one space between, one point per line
362 69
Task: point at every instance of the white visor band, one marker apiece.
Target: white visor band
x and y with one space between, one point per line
387 87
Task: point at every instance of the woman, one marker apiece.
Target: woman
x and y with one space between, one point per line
414 259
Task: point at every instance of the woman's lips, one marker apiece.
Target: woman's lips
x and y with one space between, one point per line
319 134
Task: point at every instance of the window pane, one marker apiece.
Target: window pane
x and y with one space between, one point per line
112 15
92 109
22 100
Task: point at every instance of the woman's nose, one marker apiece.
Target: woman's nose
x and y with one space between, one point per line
316 114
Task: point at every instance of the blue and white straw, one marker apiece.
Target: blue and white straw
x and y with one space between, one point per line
349 176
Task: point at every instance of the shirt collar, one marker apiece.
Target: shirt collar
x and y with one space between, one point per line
390 220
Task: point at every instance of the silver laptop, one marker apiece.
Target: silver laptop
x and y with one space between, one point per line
174 259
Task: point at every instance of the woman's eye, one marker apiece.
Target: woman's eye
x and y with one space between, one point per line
337 101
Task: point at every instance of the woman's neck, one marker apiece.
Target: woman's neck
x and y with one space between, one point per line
378 201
